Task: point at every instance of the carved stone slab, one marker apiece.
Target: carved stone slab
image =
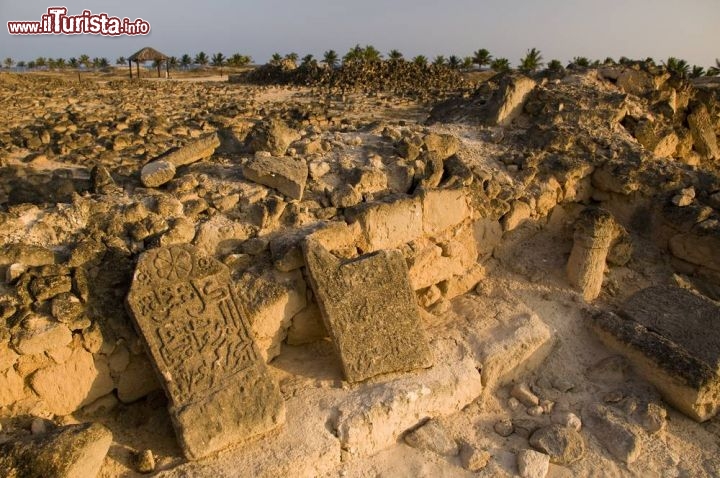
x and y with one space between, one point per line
201 344
370 311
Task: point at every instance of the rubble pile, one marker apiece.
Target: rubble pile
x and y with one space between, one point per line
326 292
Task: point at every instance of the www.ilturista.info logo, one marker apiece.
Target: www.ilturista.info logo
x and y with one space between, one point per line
58 22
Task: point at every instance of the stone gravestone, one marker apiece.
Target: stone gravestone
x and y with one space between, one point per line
370 311
200 341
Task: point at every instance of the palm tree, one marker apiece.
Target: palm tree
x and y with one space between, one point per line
609 61
103 62
121 60
677 67
697 71
21 64
395 55
218 59
330 58
307 60
276 59
185 61
454 62
531 61
293 57
201 58
51 63
60 63
31 64
173 63
73 62
370 53
355 53
500 65
714 70
482 57
8 62
467 63
85 60
40 61
420 60
554 66
439 60
581 61
239 60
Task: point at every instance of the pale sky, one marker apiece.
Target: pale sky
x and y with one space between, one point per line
561 29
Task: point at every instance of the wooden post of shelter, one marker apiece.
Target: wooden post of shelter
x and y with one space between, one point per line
148 54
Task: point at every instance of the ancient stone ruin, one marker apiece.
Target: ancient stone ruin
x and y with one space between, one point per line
203 349
346 279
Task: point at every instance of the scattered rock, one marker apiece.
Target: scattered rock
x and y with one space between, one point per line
472 458
612 432
156 173
69 452
564 445
504 427
532 464
145 461
522 392
287 175
192 152
684 198
273 136
432 437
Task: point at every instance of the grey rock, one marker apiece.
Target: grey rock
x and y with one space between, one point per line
157 173
564 445
285 174
433 437
613 432
532 464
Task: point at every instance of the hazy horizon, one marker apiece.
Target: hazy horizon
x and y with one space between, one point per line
561 29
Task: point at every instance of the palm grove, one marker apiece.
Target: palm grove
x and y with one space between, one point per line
531 62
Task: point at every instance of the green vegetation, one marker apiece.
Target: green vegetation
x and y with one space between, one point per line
532 61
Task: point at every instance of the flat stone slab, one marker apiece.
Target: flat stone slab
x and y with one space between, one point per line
201 343
370 311
287 175
672 337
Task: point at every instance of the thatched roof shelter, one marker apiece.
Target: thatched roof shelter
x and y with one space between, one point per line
148 54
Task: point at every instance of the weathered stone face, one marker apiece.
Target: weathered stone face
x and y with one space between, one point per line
369 308
670 335
200 341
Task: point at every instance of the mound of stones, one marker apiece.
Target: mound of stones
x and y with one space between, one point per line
399 77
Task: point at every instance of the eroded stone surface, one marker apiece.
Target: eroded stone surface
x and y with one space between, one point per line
287 175
670 335
370 311
203 348
69 452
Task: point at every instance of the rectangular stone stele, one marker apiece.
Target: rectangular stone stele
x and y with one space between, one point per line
200 341
370 311
672 337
